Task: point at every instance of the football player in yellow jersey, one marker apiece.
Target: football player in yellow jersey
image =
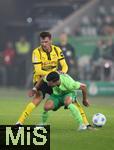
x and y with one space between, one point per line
45 58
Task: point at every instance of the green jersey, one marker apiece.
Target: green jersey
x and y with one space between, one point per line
67 85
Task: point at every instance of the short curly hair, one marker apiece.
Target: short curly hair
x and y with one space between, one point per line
45 34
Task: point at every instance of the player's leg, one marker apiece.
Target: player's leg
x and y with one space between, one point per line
84 117
75 112
48 106
51 104
68 101
29 108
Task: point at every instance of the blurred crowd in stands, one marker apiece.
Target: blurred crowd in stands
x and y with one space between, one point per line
15 57
100 65
101 23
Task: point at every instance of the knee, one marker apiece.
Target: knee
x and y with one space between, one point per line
36 101
67 101
48 106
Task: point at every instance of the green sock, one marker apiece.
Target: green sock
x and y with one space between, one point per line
44 117
76 114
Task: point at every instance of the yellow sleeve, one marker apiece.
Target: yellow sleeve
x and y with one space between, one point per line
36 60
64 66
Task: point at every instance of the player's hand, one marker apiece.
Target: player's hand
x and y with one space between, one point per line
31 93
86 103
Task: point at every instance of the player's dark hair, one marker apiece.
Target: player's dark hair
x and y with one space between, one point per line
45 34
53 76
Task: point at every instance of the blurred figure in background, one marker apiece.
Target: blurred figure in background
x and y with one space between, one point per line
111 56
111 47
69 53
22 46
101 61
96 66
8 62
22 50
84 67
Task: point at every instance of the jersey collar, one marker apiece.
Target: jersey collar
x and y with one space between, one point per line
46 51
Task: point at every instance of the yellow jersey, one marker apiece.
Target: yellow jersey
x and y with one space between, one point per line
46 62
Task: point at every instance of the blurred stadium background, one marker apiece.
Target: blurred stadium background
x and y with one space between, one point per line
89 25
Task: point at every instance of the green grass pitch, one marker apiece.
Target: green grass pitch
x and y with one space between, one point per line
64 134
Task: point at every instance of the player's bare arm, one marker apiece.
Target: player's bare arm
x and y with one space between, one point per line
84 94
34 90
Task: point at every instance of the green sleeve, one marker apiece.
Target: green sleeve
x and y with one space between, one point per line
71 83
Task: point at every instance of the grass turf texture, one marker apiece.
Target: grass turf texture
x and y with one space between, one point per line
64 134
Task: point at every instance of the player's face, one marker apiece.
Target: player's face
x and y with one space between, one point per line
46 43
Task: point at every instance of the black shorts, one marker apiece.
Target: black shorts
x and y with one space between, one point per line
44 88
